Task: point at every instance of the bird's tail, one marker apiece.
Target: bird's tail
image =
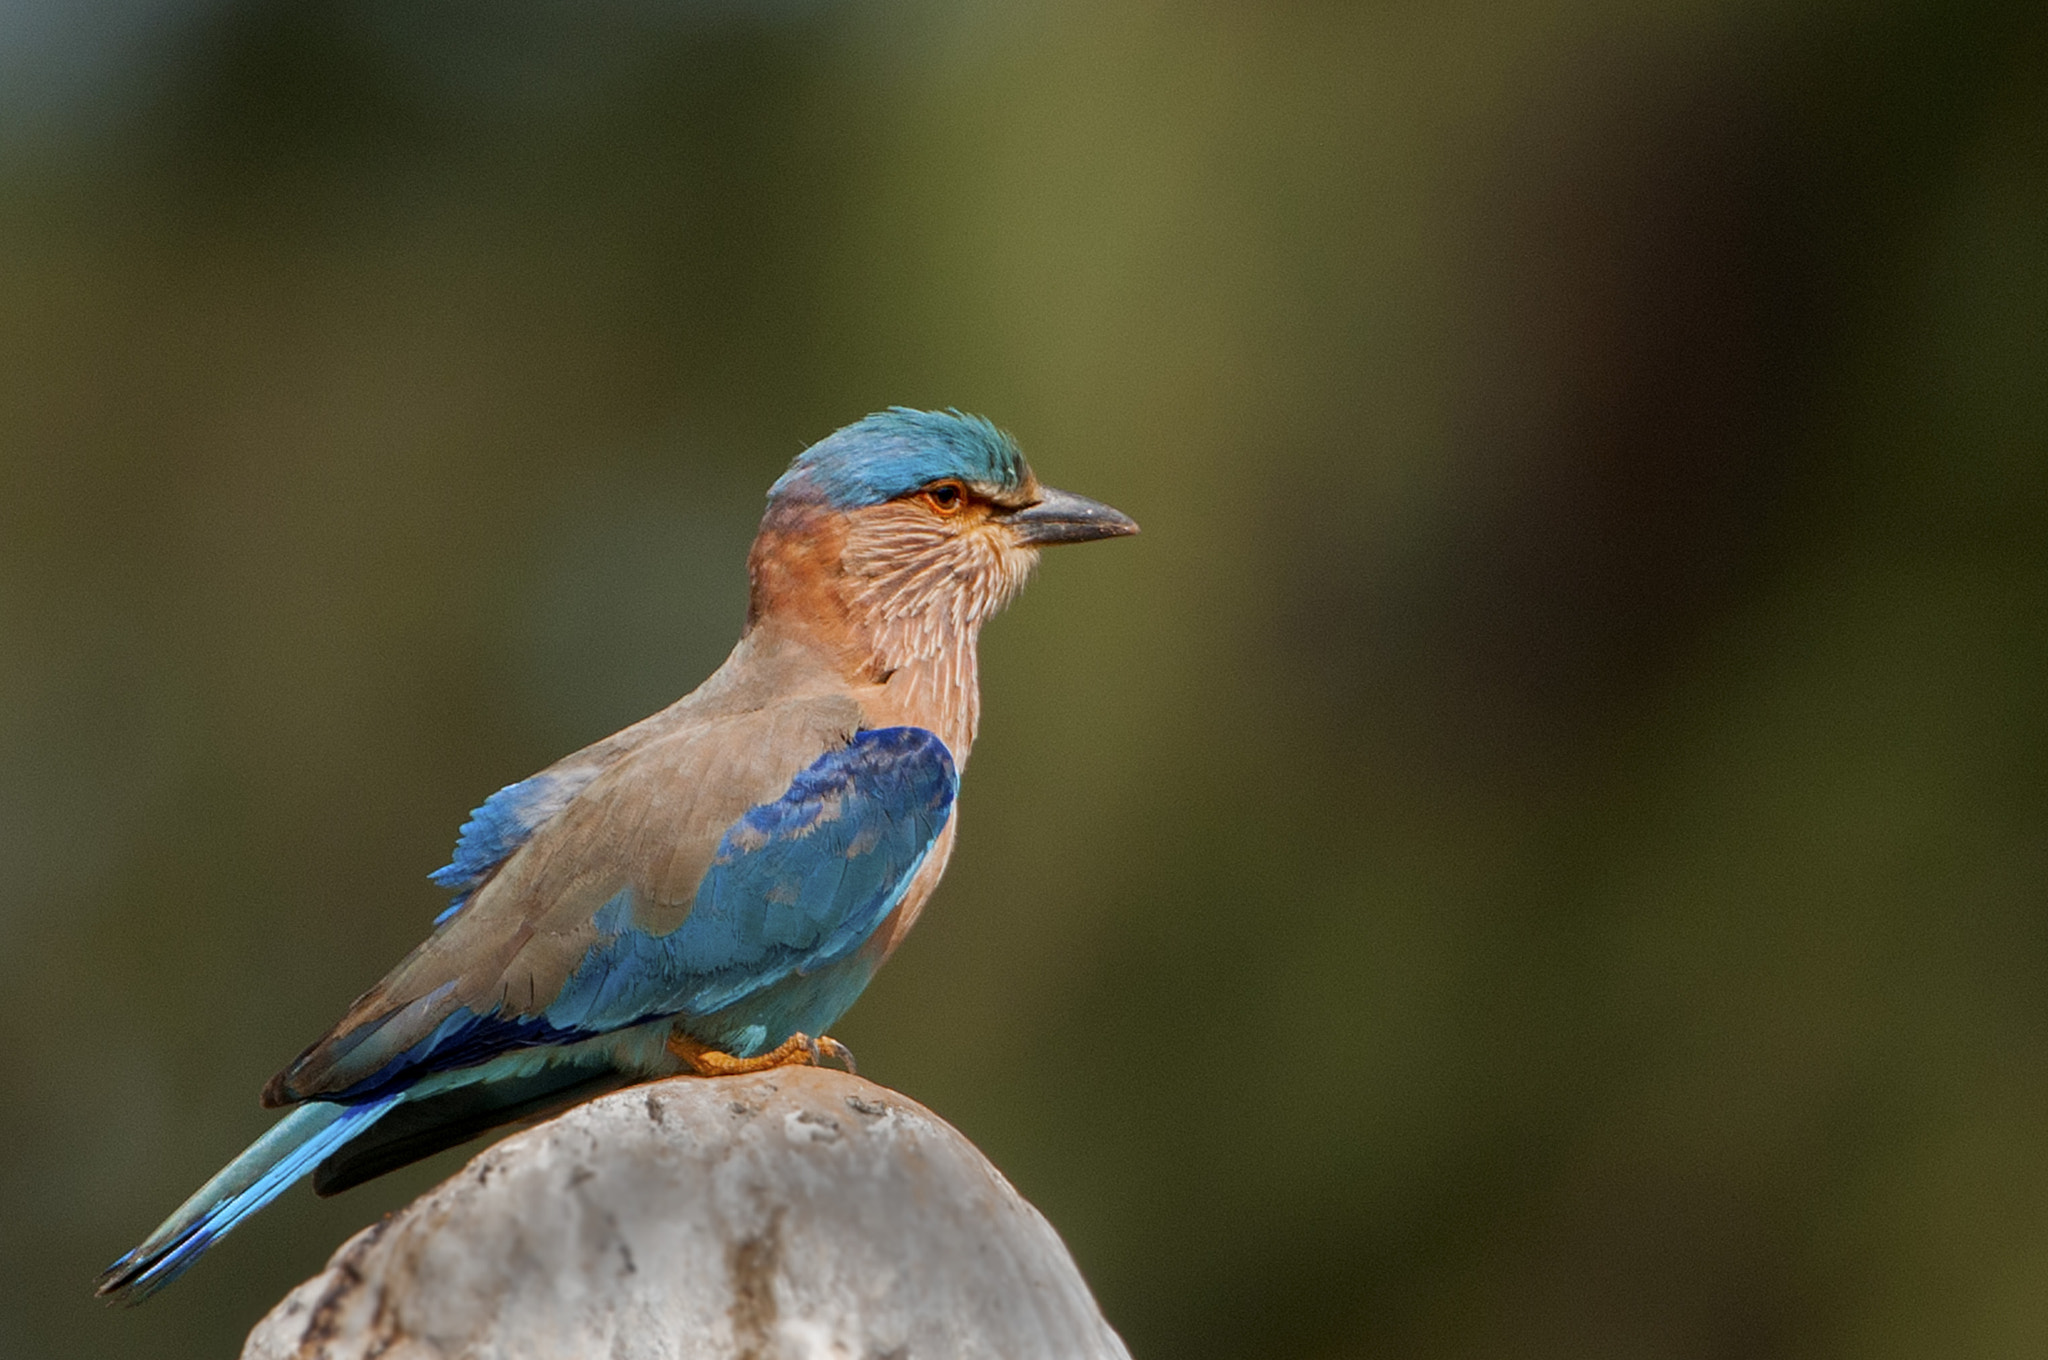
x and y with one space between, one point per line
293 1147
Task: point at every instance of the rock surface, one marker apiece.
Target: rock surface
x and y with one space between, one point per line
795 1213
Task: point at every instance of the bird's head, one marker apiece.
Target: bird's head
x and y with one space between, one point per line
916 525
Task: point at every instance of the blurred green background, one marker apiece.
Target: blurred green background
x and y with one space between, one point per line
1542 847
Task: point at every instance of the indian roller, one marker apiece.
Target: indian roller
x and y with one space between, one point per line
708 890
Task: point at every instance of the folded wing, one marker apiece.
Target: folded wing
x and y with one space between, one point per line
705 867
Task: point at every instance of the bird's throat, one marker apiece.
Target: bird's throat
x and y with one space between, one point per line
941 694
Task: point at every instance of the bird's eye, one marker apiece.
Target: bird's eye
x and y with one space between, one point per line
944 497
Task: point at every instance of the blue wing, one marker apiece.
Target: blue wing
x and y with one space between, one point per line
796 886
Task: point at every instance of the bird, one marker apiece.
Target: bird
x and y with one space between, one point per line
708 890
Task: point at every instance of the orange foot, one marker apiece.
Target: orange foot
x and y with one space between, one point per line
706 1061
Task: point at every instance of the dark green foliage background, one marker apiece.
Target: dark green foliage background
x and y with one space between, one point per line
1541 849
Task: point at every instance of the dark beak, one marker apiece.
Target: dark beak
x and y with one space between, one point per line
1063 517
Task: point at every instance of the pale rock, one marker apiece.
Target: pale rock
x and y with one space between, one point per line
788 1215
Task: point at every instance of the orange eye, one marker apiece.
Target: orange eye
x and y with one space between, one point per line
945 498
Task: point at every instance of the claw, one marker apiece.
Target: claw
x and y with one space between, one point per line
797 1049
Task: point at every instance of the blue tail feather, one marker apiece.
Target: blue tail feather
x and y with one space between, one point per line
293 1147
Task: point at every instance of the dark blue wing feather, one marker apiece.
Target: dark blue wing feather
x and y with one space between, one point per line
801 882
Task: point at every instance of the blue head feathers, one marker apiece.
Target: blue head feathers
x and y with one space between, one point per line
896 451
